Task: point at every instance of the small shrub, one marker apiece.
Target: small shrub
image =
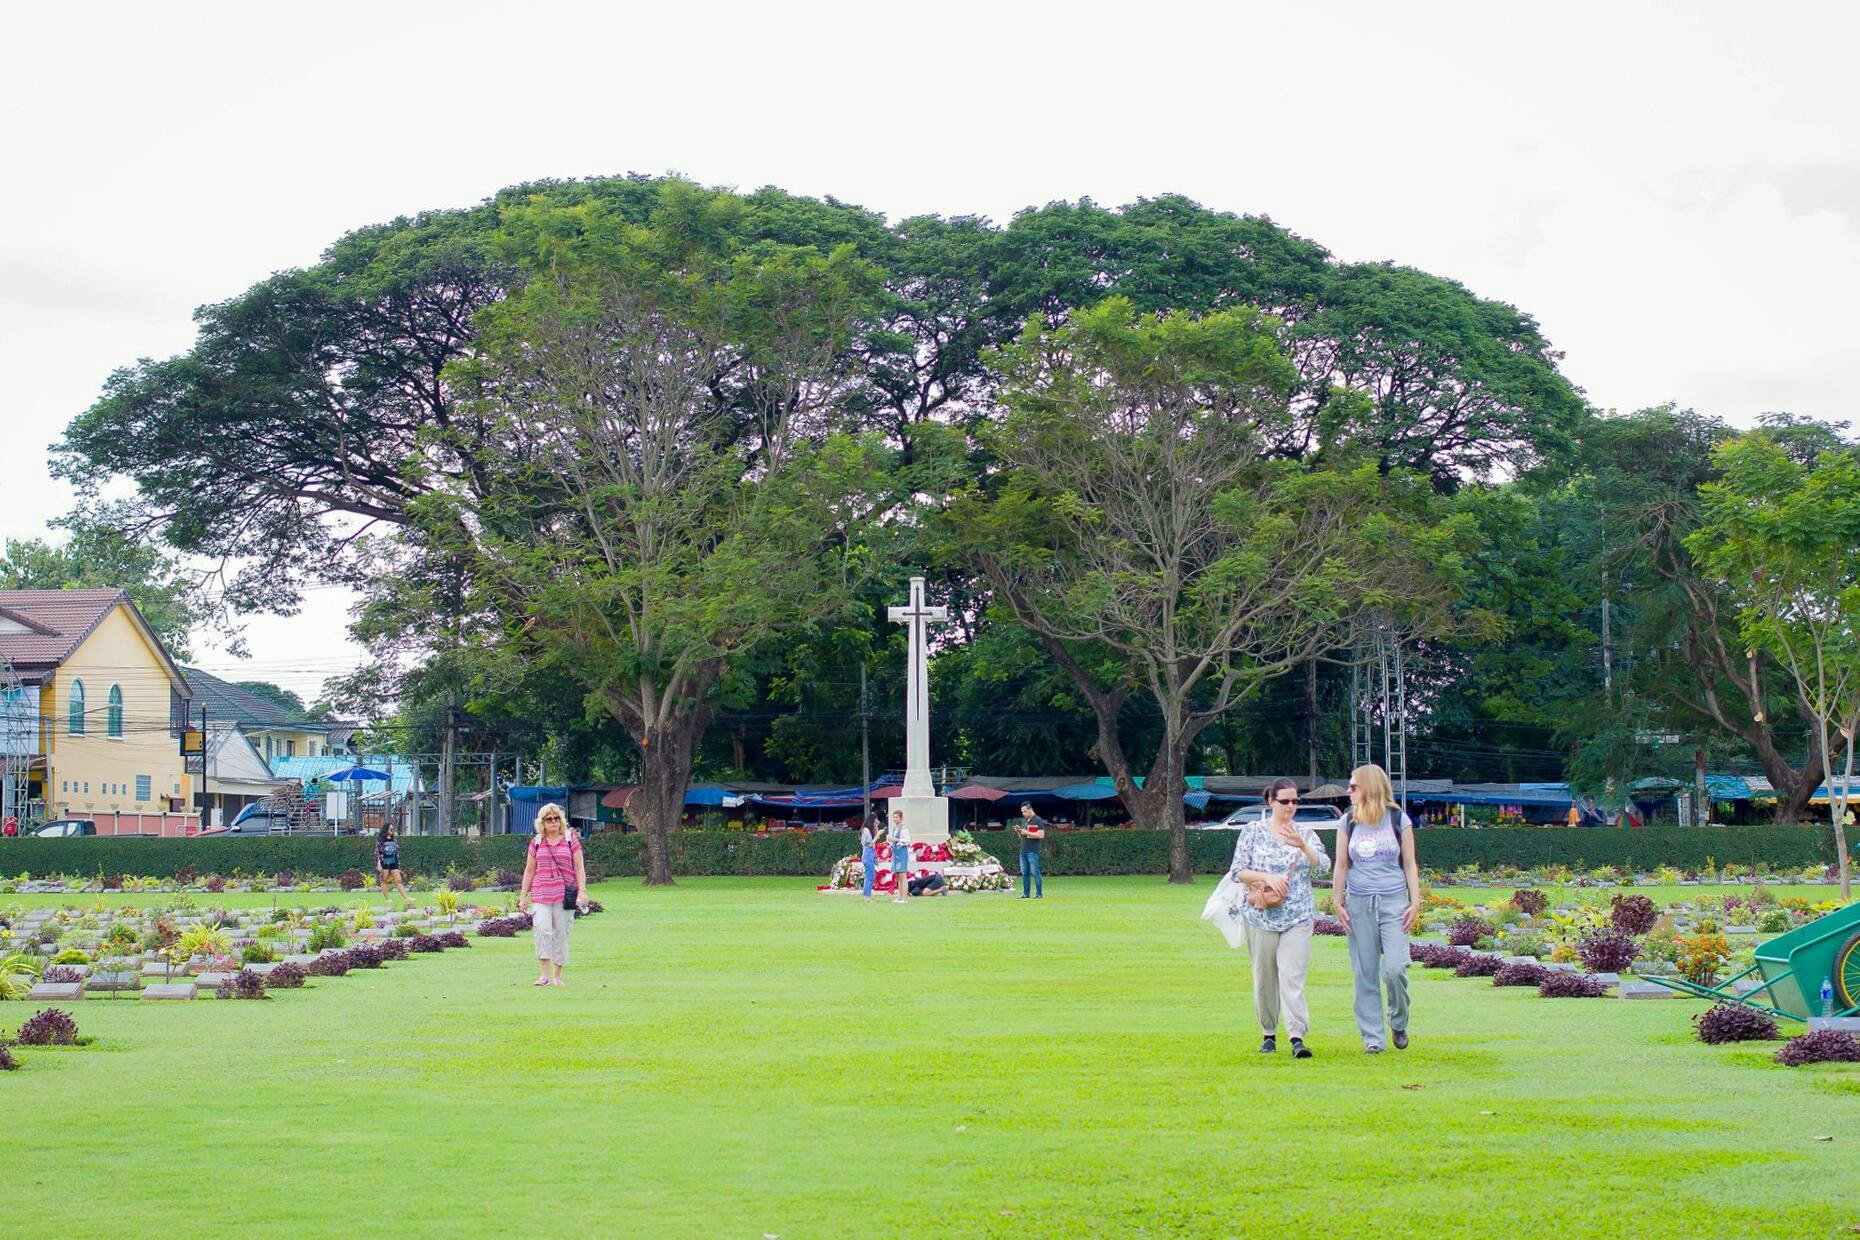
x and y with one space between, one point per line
1479 965
392 949
60 973
1447 958
7 1062
366 957
284 878
458 880
405 931
286 976
1702 955
327 934
257 953
1323 925
113 882
510 880
51 1027
425 943
1467 930
502 927
1562 985
214 883
1529 902
1632 914
364 920
335 964
453 938
1821 1046
71 955
351 879
244 984
1733 1022
185 874
1774 921
1527 945
1519 973
1606 951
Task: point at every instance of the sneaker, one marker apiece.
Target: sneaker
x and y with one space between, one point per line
1268 1045
1372 1049
1299 1049
1401 1039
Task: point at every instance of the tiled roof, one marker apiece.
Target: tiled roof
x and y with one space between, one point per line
69 616
226 701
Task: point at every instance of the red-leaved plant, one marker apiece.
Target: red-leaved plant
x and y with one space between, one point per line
1606 951
1632 914
1821 1046
1734 1022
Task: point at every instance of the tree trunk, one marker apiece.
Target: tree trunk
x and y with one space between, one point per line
658 805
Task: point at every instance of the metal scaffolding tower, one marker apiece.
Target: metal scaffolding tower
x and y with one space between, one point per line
1379 699
19 730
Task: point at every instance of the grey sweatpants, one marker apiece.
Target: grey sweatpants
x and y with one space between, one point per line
552 922
1280 959
1379 959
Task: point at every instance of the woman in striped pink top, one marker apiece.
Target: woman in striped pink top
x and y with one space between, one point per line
555 860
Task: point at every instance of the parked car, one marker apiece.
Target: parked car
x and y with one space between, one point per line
65 828
255 819
1317 817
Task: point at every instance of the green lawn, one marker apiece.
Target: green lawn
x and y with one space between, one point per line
747 1058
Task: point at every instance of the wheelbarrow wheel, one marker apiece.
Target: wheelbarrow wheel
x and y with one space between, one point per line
1847 973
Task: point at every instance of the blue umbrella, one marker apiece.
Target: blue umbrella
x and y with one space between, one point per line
357 774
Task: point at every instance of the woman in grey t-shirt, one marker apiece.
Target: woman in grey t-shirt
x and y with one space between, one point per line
1378 889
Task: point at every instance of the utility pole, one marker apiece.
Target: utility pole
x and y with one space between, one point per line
446 773
205 745
1311 720
865 752
1701 814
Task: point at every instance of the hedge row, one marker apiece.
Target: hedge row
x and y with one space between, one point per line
813 853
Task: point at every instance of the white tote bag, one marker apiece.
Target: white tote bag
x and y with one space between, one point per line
1223 910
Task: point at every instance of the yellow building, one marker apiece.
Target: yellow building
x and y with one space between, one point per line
108 702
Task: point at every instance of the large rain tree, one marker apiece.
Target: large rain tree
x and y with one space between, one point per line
1137 528
1782 535
664 483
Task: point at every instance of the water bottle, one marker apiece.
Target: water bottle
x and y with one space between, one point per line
1827 996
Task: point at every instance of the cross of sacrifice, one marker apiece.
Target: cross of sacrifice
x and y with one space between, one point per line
917 700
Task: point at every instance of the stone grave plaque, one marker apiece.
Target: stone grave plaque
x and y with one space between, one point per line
180 990
56 991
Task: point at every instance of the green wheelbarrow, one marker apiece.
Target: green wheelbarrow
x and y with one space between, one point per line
1792 968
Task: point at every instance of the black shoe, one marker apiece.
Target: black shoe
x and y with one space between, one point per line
1299 1049
1269 1045
1026 897
1401 1039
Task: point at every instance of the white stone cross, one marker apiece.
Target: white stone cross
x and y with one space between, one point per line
917 699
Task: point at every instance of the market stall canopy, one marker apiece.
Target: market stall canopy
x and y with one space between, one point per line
357 773
976 792
617 798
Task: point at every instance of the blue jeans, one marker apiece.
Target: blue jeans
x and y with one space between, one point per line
1030 872
868 859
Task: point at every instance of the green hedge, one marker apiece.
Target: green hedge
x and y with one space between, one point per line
813 854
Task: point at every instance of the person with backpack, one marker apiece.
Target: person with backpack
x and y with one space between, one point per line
1274 858
1378 893
387 861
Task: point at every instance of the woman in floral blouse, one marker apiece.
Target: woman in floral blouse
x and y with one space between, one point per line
1274 858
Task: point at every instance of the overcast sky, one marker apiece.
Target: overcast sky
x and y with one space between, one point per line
1673 190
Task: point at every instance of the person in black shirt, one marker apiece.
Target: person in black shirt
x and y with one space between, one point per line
1031 829
387 860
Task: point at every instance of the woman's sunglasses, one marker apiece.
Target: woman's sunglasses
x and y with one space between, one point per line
1285 800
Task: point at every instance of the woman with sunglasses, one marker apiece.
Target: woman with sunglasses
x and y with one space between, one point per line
1274 858
1379 898
555 865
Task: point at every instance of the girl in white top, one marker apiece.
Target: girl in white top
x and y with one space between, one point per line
900 838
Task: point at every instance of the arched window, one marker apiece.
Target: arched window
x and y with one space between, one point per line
116 711
77 708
